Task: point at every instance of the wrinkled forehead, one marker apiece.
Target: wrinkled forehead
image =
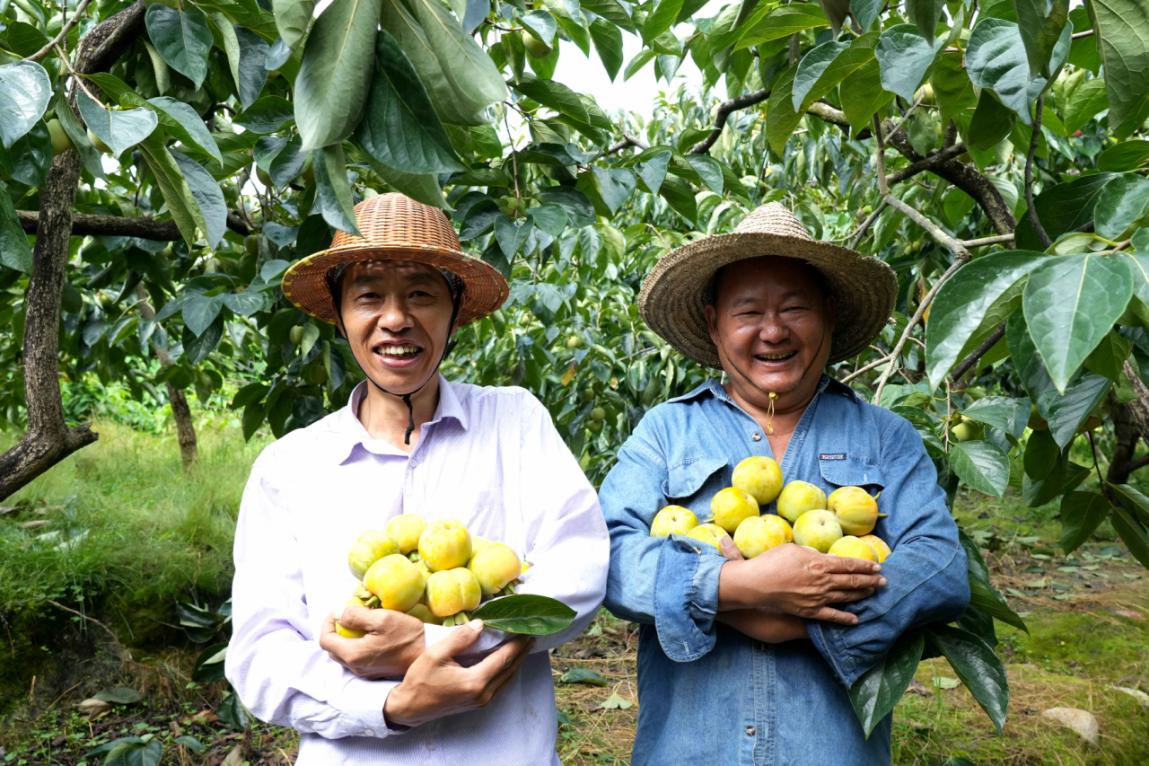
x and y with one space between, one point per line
776 273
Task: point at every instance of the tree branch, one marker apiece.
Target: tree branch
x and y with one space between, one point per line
143 227
1031 212
1000 239
929 162
76 15
723 114
48 439
977 353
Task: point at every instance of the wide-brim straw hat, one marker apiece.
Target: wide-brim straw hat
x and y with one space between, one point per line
674 293
396 228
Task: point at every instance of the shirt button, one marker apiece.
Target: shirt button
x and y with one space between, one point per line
756 436
751 731
369 732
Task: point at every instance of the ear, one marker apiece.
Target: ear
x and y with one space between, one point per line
711 322
339 328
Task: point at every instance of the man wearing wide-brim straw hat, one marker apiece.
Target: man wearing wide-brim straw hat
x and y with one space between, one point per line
408 442
749 660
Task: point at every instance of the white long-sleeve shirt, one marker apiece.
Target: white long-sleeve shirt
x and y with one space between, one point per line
490 458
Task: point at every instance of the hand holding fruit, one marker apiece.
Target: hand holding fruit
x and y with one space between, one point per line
436 685
390 642
797 581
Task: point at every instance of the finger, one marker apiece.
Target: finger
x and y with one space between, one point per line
849 565
457 641
328 638
848 596
504 674
729 549
826 614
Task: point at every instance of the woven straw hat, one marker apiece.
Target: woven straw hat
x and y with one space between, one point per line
673 296
396 228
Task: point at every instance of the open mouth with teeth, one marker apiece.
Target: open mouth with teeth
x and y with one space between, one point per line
783 357
397 351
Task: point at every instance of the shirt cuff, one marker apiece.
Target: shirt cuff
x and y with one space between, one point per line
361 704
686 599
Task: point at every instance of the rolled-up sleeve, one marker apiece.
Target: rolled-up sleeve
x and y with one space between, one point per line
670 583
274 660
925 571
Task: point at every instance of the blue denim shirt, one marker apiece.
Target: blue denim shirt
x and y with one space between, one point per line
709 694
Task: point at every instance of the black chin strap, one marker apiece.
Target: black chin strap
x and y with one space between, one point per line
456 301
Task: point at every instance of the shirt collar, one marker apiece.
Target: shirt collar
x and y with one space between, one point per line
714 388
351 433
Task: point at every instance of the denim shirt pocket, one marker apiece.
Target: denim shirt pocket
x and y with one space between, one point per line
687 480
852 472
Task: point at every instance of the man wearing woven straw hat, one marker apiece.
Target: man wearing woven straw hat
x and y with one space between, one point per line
409 441
749 661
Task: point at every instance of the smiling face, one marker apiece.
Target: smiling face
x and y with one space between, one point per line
771 322
396 318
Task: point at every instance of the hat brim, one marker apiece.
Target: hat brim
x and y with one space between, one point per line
305 282
673 296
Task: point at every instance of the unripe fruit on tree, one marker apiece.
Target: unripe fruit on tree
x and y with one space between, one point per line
598 413
574 342
536 48
296 334
396 582
60 141
99 144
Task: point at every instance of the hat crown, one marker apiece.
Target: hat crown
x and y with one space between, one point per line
773 218
394 220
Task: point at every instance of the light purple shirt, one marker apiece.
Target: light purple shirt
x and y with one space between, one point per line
491 458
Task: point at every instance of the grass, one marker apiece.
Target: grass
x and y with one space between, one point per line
118 533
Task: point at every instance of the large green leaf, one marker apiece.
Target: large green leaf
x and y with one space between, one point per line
292 17
400 128
983 466
1070 304
174 188
1133 533
185 124
1086 102
996 59
199 311
1066 412
1139 268
1062 208
333 193
783 21
1121 204
335 72
971 305
1122 29
991 122
580 112
247 58
781 117
827 65
182 37
904 56
460 78
1041 454
982 594
119 129
1081 513
1132 500
1040 23
1127 155
925 14
25 91
662 16
951 84
978 667
528 614
208 196
862 95
876 691
608 42
1008 414
15 252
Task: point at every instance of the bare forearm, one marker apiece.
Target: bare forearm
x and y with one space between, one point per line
764 626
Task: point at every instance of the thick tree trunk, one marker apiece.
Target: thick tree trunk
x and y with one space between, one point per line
1126 433
48 439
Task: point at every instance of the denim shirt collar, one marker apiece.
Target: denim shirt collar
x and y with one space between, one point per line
714 387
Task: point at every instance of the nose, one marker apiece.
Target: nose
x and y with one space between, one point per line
773 329
394 315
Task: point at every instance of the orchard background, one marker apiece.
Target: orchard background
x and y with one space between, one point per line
161 164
